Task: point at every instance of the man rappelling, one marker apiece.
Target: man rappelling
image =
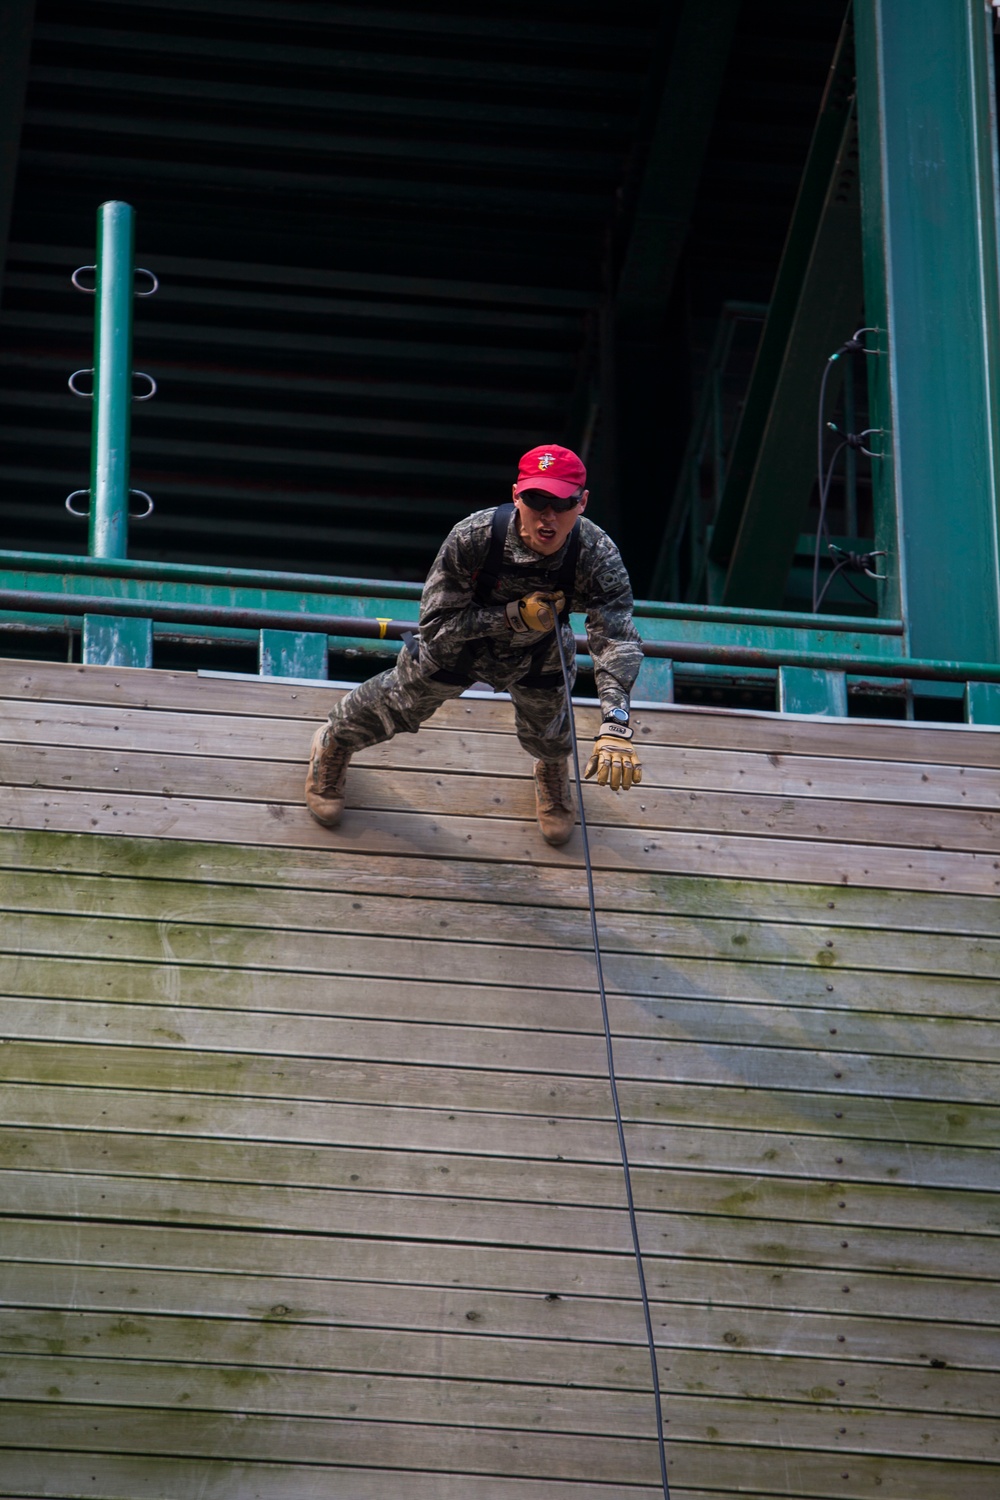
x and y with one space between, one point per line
504 580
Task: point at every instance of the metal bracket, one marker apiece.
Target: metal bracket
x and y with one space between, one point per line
139 271
89 395
134 515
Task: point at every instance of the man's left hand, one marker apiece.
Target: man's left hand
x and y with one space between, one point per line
615 761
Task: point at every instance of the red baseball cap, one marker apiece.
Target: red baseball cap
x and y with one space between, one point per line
556 470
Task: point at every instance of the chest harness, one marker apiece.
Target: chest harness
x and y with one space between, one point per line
484 583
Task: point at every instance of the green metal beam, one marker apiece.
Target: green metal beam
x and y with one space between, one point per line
640 383
828 311
674 164
825 151
929 207
17 19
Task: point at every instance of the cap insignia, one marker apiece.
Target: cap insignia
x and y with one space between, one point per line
546 461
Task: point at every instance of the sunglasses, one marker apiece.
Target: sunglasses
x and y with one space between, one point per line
541 500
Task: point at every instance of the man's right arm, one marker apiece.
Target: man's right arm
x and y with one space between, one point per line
449 615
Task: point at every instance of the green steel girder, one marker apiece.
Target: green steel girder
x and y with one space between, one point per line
929 210
673 168
826 150
827 313
638 378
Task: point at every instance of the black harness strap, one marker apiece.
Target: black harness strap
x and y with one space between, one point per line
484 585
488 576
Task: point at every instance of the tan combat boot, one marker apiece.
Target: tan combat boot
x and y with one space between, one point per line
325 777
554 800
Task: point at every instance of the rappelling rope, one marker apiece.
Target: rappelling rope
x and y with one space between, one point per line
611 1071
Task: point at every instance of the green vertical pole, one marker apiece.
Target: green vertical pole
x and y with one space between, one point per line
929 214
111 429
111 640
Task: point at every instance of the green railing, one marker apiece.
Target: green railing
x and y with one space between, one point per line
301 624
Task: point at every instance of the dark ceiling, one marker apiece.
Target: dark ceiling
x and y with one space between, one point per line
388 242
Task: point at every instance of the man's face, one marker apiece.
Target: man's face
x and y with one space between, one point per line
545 531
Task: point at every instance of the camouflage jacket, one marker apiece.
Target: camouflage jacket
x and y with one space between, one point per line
450 619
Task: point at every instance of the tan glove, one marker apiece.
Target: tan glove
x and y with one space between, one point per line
614 759
537 612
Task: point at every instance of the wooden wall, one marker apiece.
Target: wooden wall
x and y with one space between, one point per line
309 1186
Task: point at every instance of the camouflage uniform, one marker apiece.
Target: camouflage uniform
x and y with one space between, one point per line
451 622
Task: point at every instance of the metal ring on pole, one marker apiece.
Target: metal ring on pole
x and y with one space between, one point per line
90 290
140 515
87 395
141 271
70 507
143 376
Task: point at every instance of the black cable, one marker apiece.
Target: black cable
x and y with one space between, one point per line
853 345
835 572
611 1072
860 592
821 526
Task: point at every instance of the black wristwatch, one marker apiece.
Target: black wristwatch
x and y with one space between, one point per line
615 724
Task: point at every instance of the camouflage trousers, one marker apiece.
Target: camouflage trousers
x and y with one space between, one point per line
398 701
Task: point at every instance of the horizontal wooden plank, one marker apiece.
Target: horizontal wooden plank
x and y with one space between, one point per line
967 1249
336 869
526 1138
672 724
837 1018
186 916
448 958
32 1475
494 1336
571 1064
344 1400
696 1000
88 1428
623 1461
536 1362
263 760
321 1394
127 754
163 1072
732 1185
454 839
173 903
114 1476
756 1297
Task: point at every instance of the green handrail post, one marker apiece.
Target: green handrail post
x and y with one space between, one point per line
112 419
118 641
